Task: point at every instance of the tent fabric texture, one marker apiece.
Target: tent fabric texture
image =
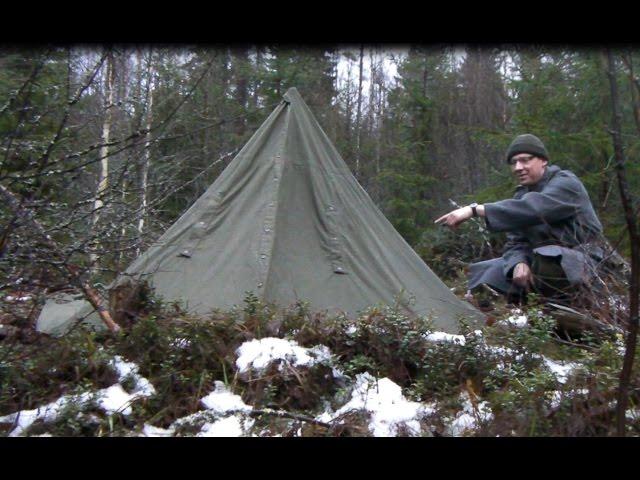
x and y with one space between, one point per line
288 221
63 311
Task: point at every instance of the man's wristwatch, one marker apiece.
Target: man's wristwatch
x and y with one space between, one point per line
473 209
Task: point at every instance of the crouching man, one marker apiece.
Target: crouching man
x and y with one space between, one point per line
552 229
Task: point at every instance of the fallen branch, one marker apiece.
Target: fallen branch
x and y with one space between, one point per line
284 414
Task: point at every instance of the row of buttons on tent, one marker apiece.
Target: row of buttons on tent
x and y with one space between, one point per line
267 227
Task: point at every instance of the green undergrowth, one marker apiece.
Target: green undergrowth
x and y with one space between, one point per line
499 367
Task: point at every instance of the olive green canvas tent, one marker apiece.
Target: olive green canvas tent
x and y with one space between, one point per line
288 221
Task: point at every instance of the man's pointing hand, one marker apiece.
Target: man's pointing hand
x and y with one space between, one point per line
455 218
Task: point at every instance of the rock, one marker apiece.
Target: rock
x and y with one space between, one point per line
573 321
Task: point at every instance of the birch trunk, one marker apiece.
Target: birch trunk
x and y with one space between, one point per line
103 179
125 91
147 152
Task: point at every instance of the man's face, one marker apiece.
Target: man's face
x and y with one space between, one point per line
528 168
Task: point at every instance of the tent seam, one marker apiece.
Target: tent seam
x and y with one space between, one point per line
279 170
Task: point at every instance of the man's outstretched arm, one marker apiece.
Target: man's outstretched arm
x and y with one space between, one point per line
560 199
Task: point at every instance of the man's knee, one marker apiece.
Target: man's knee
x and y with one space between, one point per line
491 273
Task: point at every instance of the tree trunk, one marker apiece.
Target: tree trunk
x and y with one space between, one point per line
103 178
372 93
144 181
256 81
359 112
380 117
127 181
348 105
635 90
241 57
634 238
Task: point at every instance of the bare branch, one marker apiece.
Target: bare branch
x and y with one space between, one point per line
72 271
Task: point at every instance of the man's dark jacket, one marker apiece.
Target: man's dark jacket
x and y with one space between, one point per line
553 218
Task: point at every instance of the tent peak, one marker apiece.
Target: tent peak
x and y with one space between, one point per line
292 94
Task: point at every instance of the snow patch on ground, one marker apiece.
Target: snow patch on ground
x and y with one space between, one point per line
501 352
520 319
445 337
557 396
142 386
11 298
633 415
517 320
23 419
260 353
151 431
560 370
115 400
221 400
111 400
225 416
338 374
233 426
388 408
469 417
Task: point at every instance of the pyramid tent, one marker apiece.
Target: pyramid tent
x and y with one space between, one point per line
288 221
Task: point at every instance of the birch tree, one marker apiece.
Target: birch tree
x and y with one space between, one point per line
144 181
103 177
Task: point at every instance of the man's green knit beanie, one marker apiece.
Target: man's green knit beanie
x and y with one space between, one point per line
527 143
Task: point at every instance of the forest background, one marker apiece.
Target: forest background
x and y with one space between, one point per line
106 146
103 147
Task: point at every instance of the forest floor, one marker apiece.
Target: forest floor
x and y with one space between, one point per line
257 370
